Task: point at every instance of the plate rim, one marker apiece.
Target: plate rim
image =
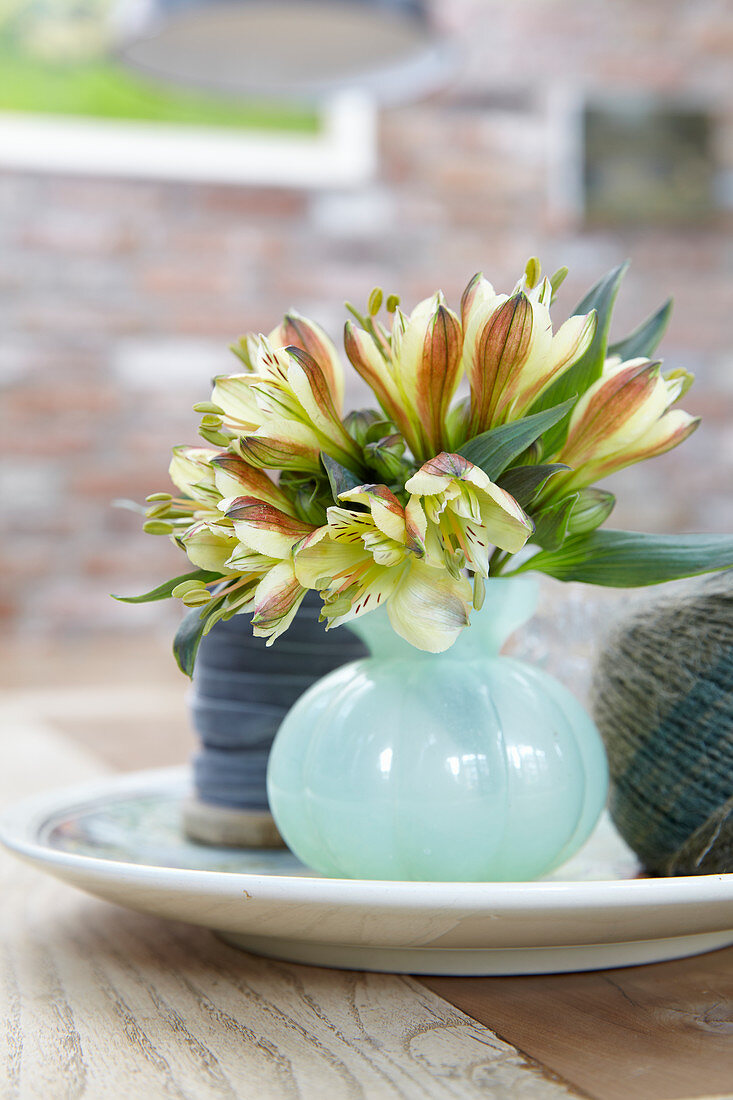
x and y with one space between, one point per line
22 823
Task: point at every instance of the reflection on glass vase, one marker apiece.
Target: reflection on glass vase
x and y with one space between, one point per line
459 766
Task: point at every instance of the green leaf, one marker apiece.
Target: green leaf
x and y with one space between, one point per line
339 477
587 369
525 482
644 340
633 559
188 637
163 591
497 448
551 524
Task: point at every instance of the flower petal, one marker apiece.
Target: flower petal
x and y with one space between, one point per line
548 357
264 528
502 347
416 526
298 331
282 445
233 393
478 300
369 362
276 601
209 546
435 475
234 478
386 510
308 382
428 607
328 563
427 352
191 471
347 576
668 432
244 560
503 522
615 411
347 525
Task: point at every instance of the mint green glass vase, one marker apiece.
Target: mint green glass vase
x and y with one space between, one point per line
460 766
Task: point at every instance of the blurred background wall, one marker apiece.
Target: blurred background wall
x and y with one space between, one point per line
583 131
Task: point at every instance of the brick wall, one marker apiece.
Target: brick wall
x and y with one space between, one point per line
117 299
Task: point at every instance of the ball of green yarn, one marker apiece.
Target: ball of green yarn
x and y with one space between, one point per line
663 702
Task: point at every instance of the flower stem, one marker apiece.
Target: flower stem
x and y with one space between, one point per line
497 561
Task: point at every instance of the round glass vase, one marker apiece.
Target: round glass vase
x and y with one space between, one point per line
462 766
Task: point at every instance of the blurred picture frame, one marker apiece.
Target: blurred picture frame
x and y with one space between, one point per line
634 159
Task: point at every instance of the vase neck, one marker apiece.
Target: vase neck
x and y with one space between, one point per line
509 602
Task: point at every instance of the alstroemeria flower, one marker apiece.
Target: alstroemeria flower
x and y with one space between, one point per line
299 332
206 476
233 393
296 410
509 352
210 541
209 545
263 527
235 478
416 376
470 513
363 559
276 601
623 418
267 536
276 594
191 471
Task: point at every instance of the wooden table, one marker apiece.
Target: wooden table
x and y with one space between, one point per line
99 1002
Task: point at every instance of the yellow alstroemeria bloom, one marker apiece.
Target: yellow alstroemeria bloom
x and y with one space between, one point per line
622 418
208 478
268 536
509 351
233 477
415 377
209 545
205 476
233 393
263 527
362 560
467 511
297 331
191 472
297 413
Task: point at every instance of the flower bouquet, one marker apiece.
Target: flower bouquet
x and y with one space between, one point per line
477 464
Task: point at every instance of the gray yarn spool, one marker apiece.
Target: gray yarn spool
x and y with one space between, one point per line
241 692
663 702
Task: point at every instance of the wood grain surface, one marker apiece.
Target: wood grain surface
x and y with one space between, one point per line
99 1002
660 1032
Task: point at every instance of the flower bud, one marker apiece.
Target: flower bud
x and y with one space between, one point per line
591 509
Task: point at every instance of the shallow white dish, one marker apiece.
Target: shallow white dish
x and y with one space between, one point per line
119 839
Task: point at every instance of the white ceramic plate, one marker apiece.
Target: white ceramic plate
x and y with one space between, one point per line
120 839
